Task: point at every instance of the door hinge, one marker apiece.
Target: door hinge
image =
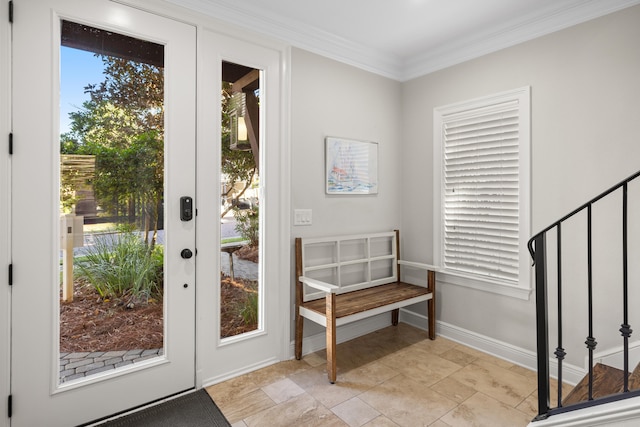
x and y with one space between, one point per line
11 143
10 274
11 11
10 406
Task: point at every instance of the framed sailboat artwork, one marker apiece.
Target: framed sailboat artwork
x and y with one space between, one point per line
351 166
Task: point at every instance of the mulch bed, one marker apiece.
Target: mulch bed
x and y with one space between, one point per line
90 323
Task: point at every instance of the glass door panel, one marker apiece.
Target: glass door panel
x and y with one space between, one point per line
240 285
111 200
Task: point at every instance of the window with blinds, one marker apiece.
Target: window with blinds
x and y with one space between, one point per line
482 145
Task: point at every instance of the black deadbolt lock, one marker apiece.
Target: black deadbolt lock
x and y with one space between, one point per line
186 208
186 253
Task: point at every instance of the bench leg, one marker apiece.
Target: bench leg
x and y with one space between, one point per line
431 304
331 337
395 314
299 326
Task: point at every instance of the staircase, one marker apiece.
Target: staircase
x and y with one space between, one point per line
603 384
607 381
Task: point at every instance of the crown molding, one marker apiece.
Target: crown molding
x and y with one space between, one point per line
301 36
527 28
392 66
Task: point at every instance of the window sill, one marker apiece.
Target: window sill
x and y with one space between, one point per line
494 287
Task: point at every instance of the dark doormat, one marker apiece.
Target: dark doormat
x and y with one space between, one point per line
190 410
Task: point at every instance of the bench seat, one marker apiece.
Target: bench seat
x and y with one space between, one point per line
364 300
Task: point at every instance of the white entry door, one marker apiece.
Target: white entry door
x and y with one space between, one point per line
157 212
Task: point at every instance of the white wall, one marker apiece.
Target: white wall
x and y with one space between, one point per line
329 98
585 138
332 99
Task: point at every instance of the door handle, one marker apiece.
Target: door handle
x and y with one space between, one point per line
186 253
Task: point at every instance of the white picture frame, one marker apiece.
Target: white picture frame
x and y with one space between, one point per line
351 166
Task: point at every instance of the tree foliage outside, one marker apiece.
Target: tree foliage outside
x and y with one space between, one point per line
122 125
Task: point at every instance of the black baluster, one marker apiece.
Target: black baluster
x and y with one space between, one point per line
591 341
625 329
560 353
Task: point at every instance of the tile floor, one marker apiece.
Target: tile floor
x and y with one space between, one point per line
392 377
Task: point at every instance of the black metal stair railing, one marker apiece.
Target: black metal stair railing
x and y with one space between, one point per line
538 248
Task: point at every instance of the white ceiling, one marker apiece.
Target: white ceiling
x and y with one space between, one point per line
403 39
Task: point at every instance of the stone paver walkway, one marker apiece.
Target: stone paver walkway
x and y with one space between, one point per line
79 365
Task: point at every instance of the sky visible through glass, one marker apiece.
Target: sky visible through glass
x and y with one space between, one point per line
78 68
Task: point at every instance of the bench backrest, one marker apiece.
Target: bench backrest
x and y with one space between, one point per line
350 262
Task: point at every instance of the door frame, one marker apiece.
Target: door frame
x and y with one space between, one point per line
205 357
5 209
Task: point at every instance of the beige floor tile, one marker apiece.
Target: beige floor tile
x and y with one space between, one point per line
499 383
396 372
437 346
453 389
407 402
315 383
421 365
314 359
381 421
529 406
481 410
355 412
459 356
367 376
282 390
277 372
231 389
302 410
484 356
525 372
496 361
400 336
246 405
359 352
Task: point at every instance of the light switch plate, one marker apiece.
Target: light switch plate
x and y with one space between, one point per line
302 217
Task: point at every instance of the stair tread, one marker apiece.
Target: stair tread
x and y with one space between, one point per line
634 379
607 380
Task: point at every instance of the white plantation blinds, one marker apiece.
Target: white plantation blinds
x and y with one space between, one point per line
481 192
481 181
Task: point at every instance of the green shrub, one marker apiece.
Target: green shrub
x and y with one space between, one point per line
121 265
248 224
249 309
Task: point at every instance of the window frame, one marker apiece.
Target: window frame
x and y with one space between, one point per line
441 115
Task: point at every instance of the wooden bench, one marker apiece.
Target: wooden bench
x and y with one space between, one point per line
347 278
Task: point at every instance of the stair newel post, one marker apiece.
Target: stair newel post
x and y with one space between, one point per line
625 329
542 324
